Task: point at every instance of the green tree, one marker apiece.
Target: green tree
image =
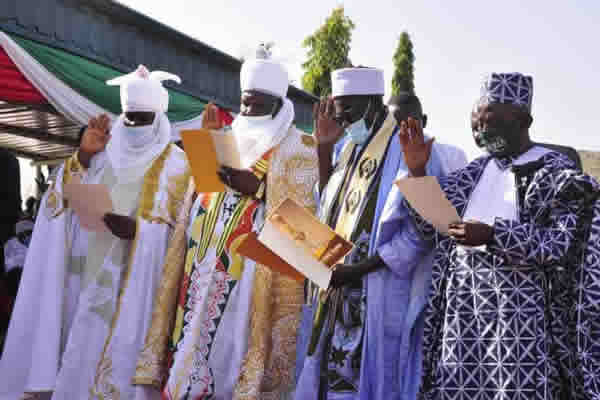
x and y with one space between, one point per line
404 58
328 50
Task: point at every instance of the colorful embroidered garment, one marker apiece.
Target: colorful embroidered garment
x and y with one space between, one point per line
208 326
235 327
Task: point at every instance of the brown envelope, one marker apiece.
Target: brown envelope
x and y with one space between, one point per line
255 250
200 150
427 198
302 241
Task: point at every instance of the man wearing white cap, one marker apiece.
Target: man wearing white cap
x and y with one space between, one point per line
235 322
513 310
360 342
86 297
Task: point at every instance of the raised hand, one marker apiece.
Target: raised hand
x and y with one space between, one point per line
242 181
414 147
471 233
94 139
210 118
327 130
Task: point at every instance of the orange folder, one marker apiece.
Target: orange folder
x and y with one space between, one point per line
255 250
200 151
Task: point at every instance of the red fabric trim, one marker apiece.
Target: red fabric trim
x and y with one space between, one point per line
14 87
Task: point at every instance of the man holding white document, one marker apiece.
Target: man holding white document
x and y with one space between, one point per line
508 314
359 344
234 330
86 295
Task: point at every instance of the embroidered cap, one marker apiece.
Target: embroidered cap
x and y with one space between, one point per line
507 88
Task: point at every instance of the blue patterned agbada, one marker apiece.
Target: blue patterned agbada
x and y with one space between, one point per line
519 319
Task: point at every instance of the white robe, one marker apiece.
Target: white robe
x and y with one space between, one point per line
86 299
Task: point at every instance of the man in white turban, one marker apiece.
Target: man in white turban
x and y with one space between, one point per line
86 298
235 321
361 345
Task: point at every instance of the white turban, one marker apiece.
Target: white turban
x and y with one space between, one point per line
357 81
132 150
142 90
256 137
265 76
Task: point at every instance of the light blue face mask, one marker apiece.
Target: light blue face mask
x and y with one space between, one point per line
358 132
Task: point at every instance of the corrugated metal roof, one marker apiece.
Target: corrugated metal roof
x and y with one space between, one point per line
38 133
109 33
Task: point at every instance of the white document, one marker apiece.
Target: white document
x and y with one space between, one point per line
427 198
302 241
227 150
90 202
286 248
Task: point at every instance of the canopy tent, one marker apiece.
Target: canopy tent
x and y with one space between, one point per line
46 94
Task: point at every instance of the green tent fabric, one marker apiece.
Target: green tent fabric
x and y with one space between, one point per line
88 78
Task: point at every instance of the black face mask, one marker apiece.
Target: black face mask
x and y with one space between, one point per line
500 140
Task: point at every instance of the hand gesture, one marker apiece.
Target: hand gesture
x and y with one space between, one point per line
414 147
471 233
96 135
121 226
242 181
211 119
327 130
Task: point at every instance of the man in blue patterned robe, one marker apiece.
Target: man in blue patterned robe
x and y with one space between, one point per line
512 309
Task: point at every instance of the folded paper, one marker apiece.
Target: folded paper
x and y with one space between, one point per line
427 198
90 202
303 242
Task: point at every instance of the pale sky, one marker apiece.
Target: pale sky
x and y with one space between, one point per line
455 44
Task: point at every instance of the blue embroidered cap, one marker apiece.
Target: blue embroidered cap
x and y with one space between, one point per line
508 88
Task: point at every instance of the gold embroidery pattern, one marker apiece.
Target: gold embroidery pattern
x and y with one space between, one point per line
268 369
176 189
52 209
55 203
151 366
103 388
151 185
309 141
360 182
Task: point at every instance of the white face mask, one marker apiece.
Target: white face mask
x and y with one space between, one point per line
139 136
358 132
131 150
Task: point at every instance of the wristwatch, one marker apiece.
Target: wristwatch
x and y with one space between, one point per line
260 193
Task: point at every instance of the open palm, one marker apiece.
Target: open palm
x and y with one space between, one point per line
96 135
327 130
415 148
